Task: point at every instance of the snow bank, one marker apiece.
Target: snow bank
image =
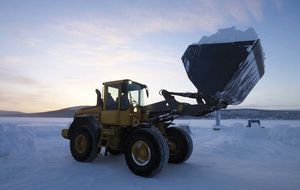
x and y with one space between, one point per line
229 35
15 140
283 134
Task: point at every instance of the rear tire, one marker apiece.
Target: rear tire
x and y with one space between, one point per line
146 152
83 144
180 145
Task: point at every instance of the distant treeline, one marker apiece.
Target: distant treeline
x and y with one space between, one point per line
225 114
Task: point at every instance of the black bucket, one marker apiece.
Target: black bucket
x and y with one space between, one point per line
225 71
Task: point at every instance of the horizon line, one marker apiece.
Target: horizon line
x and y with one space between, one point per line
231 108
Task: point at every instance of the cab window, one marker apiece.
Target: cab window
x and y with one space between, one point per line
112 98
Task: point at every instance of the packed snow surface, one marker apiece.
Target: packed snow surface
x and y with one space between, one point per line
229 35
33 155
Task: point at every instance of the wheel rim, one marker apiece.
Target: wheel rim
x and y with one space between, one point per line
173 146
141 153
80 144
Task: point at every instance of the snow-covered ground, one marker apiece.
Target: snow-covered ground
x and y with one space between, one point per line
33 155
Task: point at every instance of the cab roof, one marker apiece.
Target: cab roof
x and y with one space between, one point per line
123 81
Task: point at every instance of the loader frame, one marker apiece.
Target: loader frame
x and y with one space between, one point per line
113 126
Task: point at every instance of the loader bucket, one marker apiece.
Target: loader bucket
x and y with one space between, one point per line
226 72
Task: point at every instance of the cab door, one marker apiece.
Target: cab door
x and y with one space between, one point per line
111 114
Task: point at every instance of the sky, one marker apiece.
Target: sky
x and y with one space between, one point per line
55 53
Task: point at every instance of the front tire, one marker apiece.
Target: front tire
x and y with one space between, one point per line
180 145
83 144
146 152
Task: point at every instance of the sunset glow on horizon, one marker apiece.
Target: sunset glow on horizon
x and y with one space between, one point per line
53 54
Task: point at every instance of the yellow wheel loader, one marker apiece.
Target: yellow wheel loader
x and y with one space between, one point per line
121 123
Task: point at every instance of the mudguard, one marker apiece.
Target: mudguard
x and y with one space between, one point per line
81 120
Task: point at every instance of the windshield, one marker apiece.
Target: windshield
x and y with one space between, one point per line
136 97
133 93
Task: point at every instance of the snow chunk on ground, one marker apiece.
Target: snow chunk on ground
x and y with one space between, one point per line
15 140
229 35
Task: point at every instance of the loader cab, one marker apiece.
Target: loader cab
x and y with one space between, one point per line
122 102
